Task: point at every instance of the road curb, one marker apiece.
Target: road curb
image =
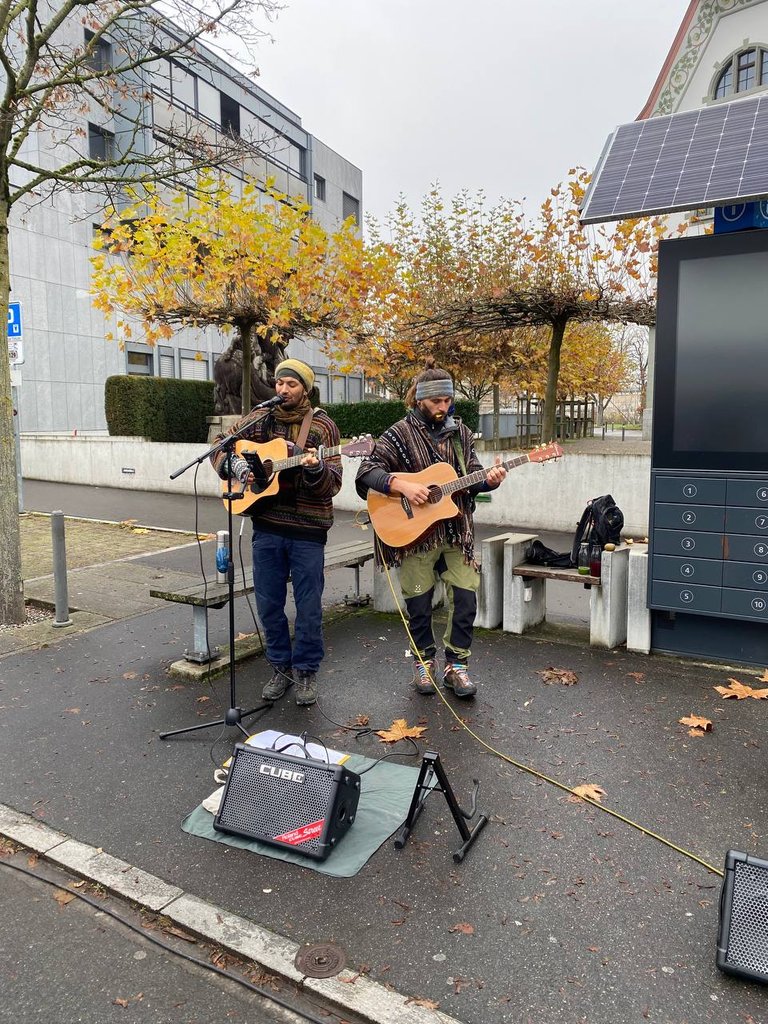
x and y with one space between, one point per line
275 953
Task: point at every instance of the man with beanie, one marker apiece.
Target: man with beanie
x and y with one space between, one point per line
429 434
290 528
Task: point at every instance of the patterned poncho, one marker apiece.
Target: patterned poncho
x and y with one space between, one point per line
408 447
303 505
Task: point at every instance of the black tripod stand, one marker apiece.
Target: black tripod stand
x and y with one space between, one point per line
234 715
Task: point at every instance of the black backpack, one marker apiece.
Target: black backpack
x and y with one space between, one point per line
540 554
601 521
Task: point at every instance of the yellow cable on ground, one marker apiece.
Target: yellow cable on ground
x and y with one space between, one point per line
526 768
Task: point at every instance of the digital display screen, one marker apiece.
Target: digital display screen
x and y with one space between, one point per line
721 365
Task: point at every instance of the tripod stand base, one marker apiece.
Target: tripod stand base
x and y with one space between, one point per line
432 768
233 717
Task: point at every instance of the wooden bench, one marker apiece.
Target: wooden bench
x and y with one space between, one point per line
525 595
202 597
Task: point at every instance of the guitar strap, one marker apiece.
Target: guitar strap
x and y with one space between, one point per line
456 447
306 423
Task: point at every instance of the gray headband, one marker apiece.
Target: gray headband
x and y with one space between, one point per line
434 389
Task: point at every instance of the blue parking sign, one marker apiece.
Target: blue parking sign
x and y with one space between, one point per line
14 320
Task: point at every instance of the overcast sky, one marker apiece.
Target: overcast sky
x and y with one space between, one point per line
494 94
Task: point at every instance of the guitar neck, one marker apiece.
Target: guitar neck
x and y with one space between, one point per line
295 460
477 478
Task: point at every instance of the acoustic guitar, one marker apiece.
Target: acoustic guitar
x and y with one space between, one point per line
270 458
398 523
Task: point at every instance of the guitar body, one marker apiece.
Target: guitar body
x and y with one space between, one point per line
398 523
268 452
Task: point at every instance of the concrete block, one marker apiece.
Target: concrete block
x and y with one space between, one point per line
608 602
28 831
638 612
490 597
525 601
115 875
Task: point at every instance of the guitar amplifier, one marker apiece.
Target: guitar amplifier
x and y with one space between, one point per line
296 803
742 936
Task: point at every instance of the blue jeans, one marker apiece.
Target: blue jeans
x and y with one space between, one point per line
276 558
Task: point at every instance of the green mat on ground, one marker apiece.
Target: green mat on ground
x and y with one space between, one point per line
385 796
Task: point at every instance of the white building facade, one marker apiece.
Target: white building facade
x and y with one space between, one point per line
66 358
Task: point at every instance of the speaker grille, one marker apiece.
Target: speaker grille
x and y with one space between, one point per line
748 937
266 806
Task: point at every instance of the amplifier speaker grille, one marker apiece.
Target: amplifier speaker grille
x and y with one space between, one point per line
292 802
742 940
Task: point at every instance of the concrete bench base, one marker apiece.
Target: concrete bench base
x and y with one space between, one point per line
203 596
638 612
525 595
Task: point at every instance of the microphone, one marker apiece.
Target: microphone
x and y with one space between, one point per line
277 400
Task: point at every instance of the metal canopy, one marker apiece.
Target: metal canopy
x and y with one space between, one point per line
714 156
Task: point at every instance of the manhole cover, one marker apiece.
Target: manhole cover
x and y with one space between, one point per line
320 960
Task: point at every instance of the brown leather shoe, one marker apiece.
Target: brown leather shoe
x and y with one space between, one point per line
456 678
424 675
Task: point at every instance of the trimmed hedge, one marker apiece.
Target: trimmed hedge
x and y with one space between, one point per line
374 417
160 408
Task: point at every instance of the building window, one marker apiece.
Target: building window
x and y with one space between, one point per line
350 207
193 365
230 115
354 389
319 188
745 71
167 367
101 143
140 363
101 53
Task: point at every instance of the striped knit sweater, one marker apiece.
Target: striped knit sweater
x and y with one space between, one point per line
408 447
303 505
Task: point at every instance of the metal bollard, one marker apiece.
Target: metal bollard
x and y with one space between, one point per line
60 570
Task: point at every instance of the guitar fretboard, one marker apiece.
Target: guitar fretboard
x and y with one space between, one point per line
295 460
476 478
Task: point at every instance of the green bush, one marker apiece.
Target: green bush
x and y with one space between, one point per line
160 408
374 417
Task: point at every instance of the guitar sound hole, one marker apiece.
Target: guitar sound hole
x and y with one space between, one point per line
435 495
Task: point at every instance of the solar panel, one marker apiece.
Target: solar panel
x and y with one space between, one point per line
714 156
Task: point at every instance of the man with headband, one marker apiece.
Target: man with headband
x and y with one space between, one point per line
290 529
429 434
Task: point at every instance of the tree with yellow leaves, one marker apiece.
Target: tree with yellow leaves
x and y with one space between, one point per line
257 265
475 272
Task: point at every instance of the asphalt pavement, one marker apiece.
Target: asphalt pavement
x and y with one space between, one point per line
562 911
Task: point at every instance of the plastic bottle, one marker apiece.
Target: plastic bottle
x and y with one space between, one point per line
222 555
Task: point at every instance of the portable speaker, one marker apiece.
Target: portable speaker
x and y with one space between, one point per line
742 935
293 802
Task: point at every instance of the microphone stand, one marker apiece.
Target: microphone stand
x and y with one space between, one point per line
234 715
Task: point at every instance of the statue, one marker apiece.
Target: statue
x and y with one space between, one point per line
228 376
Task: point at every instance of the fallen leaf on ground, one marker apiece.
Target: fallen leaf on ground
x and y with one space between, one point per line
360 720
588 790
120 1002
637 676
129 675
428 1004
63 898
741 690
698 725
464 928
400 730
558 675
243 636
201 700
764 677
